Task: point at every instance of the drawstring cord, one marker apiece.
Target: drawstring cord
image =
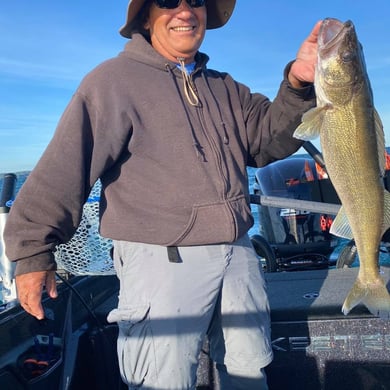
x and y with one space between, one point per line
187 84
198 148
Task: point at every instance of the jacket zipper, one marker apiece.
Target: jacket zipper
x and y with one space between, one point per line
219 164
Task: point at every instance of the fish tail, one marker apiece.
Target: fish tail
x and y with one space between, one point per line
373 295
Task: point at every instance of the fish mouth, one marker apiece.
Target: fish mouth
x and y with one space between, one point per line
332 31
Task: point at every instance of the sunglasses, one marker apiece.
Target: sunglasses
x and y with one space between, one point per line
172 4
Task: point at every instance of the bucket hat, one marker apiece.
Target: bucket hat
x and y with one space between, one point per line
218 13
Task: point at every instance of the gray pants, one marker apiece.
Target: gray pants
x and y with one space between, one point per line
166 309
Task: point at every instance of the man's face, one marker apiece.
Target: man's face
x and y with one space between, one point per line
177 32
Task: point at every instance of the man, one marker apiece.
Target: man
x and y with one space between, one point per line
170 140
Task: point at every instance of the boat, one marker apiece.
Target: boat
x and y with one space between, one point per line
74 347
315 345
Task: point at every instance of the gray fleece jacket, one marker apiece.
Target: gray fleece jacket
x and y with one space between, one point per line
172 173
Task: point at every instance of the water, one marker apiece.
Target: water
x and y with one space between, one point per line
255 229
21 177
384 254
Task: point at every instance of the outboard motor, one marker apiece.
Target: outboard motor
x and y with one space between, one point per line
299 239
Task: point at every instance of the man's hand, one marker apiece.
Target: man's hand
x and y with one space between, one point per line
303 68
30 287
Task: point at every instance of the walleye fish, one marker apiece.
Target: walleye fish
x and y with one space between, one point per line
353 146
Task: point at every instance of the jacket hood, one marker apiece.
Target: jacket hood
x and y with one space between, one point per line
140 50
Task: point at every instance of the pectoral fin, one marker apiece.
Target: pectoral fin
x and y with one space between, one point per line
311 124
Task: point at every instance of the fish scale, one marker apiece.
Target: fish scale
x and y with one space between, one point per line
352 142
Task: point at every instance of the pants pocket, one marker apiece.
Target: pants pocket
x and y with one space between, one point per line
135 343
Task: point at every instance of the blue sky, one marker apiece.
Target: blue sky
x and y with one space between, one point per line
46 47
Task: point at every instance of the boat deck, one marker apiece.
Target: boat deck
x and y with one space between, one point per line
315 345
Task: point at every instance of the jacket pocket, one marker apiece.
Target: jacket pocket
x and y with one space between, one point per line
135 343
208 224
216 223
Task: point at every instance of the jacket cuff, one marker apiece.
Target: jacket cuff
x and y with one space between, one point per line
307 91
41 262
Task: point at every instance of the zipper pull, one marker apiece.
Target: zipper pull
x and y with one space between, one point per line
225 135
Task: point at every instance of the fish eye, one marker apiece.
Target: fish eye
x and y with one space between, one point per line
347 56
